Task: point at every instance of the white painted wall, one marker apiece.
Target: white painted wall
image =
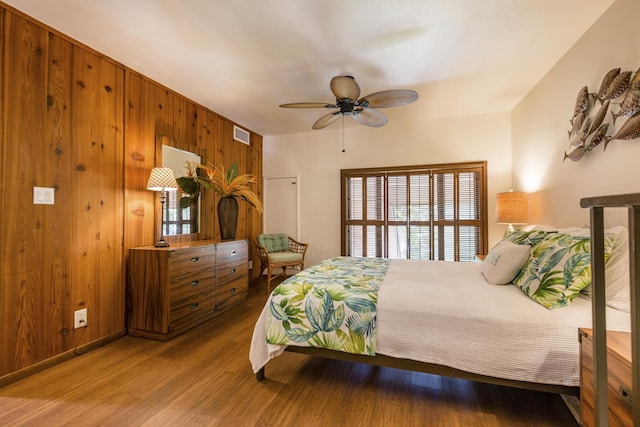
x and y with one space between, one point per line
317 157
532 138
540 123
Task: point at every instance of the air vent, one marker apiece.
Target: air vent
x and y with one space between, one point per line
241 135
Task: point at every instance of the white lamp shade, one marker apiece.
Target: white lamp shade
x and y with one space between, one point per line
511 208
162 179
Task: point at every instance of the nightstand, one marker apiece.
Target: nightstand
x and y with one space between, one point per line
618 378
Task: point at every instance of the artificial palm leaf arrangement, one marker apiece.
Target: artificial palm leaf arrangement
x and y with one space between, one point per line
189 184
226 182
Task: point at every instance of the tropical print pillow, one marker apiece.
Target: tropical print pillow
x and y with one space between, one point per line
530 238
558 268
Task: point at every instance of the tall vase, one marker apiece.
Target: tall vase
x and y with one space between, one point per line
228 217
194 219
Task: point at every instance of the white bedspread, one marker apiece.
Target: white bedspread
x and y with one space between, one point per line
446 313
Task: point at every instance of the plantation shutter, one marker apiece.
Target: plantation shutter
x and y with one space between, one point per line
426 212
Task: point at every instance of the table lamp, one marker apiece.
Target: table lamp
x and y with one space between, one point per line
511 208
163 180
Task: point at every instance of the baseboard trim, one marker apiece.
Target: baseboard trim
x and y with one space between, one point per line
59 358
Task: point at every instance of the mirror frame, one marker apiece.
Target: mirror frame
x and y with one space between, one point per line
165 140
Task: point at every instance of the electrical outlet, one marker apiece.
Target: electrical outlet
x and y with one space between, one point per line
80 318
250 265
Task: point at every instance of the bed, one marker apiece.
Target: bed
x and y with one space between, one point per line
443 318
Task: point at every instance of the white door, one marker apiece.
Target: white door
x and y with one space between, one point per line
281 206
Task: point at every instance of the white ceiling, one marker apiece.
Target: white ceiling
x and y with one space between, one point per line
243 58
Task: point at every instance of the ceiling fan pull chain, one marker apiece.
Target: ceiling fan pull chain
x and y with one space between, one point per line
343 150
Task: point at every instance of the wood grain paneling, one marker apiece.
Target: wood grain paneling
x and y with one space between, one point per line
139 158
256 220
76 121
25 229
57 172
97 203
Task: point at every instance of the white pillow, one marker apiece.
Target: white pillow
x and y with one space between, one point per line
616 271
504 261
616 274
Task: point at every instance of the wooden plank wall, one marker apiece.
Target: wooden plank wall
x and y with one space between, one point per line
77 121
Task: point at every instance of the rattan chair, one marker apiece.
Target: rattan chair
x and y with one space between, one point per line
279 251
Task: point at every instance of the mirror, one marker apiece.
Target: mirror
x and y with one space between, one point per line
182 211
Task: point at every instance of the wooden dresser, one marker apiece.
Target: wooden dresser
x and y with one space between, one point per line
173 289
619 378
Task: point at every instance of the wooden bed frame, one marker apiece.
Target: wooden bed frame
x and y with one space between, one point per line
428 368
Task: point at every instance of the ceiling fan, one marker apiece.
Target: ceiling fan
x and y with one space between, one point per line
363 110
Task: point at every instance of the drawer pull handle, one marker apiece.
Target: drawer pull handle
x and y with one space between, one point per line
233 270
195 306
194 259
232 291
233 252
194 283
625 394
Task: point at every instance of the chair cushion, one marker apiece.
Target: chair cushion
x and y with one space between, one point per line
285 256
274 242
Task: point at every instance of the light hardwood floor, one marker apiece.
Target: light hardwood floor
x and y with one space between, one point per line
204 378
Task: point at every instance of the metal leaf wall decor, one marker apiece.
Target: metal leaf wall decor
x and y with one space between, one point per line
620 93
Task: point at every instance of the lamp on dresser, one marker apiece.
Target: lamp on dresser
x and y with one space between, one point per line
163 180
511 208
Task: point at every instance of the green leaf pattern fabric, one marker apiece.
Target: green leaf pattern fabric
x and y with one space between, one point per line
530 238
558 268
330 305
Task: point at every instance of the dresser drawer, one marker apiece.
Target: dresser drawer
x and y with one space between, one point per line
190 308
186 262
232 255
186 286
231 273
231 292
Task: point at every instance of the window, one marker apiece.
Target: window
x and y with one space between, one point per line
431 212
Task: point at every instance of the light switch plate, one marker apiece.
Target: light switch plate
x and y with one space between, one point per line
43 196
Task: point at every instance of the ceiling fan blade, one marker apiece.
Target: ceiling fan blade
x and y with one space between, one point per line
389 98
308 105
326 120
345 87
369 117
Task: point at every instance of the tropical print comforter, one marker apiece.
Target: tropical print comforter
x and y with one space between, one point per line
330 305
